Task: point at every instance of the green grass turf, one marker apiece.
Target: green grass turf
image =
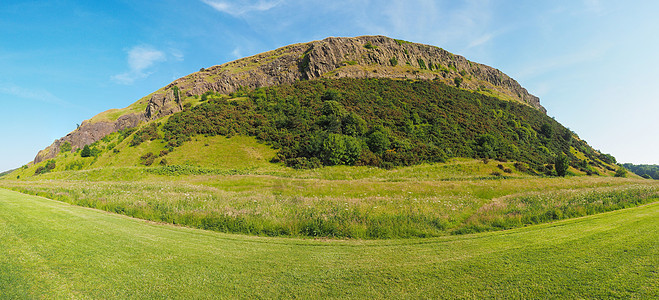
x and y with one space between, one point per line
50 249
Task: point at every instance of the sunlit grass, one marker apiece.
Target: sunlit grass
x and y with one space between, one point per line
341 202
49 249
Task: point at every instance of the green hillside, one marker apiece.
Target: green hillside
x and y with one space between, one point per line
342 158
49 249
372 122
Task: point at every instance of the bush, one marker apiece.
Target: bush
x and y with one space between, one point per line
369 46
304 163
338 149
378 141
65 147
422 64
49 166
86 151
147 159
621 172
457 81
146 133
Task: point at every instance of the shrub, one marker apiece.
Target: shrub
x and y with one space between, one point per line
422 64
338 149
457 81
522 167
621 172
49 166
378 141
369 46
393 61
147 159
65 147
146 133
304 163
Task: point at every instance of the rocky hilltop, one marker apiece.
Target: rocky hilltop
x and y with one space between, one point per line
334 57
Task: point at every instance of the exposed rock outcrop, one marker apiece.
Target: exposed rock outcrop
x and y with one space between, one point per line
366 56
334 57
89 133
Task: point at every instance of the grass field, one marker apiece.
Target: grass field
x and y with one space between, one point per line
50 249
342 202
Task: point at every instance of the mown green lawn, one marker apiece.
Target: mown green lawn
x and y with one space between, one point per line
50 249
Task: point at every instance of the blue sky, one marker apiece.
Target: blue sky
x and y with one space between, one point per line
593 63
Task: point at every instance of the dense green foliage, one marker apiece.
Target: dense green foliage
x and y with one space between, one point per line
86 151
385 123
65 147
49 166
90 151
146 133
645 171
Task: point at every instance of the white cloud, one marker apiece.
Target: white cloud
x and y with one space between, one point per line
140 60
236 53
32 94
241 8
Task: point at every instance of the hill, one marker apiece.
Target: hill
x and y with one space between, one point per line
366 148
350 121
360 57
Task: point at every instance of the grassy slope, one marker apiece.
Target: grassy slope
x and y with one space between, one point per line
51 249
246 153
262 198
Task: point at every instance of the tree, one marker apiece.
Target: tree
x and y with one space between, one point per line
561 164
86 151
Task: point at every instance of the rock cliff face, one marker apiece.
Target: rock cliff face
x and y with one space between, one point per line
88 133
334 57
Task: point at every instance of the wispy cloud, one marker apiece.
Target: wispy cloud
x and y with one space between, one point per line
34 94
481 40
561 62
140 60
594 6
241 8
455 24
236 53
